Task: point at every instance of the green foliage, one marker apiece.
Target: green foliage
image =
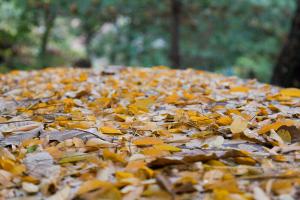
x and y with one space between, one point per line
240 37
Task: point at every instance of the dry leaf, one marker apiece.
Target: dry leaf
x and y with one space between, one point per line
145 141
276 125
238 125
292 92
285 135
92 185
110 130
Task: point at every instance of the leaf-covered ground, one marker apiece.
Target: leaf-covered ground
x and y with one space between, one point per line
134 133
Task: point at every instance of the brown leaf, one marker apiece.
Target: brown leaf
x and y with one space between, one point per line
162 162
293 131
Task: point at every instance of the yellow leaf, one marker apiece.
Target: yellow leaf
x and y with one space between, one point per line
103 101
54 152
216 163
11 166
238 125
31 142
175 130
154 152
220 194
224 121
83 77
6 163
18 169
110 130
167 147
292 92
133 109
92 185
77 125
239 89
74 157
120 118
189 96
143 104
245 161
172 99
279 158
201 120
68 102
276 125
107 154
122 175
144 141
135 164
282 186
147 171
120 110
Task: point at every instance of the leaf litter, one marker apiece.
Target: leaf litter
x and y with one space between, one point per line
146 133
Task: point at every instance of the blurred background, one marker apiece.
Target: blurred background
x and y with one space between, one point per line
234 37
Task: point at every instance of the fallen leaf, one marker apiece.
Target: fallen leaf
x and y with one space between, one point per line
74 157
41 165
117 157
276 125
292 92
166 147
224 121
238 125
239 89
110 130
285 135
145 141
92 185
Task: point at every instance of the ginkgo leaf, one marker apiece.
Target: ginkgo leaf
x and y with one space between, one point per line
117 157
245 160
123 175
238 125
239 89
292 92
145 141
224 121
92 185
74 157
167 147
148 133
110 130
154 152
144 103
276 125
201 119
172 98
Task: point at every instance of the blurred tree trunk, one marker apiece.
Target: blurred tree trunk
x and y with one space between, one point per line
287 69
89 33
175 33
49 19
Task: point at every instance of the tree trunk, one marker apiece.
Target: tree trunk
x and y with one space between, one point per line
89 33
49 19
88 41
287 69
175 33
